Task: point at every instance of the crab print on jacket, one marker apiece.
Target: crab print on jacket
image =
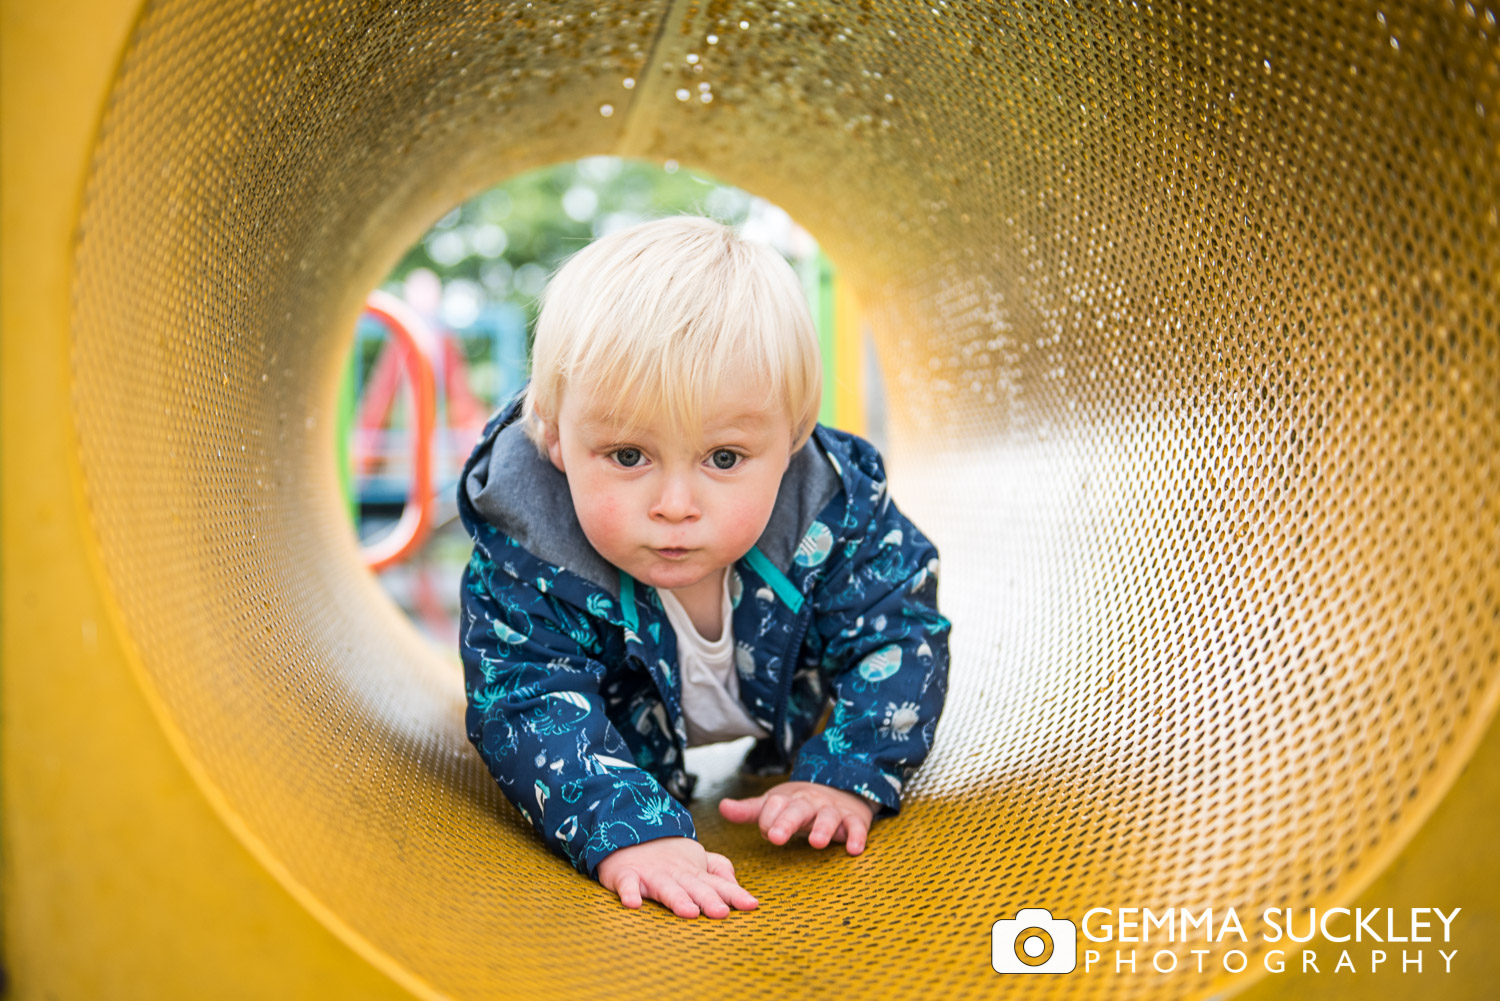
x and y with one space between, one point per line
574 700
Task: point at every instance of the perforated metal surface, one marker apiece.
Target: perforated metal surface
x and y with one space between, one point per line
1189 319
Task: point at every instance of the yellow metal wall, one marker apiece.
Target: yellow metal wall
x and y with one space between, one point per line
120 880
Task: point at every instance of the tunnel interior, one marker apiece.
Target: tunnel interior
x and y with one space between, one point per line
1187 320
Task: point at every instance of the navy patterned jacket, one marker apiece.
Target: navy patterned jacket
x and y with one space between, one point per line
574 701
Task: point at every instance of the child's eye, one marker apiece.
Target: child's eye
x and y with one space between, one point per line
725 459
627 457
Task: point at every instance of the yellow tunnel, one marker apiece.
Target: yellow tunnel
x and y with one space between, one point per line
1190 320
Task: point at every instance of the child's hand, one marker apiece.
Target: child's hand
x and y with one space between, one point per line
789 807
679 872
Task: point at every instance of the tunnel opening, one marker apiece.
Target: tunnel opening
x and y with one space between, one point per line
1096 246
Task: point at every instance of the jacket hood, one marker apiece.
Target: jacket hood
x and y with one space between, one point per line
530 500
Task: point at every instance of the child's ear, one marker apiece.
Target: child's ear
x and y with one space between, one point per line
554 446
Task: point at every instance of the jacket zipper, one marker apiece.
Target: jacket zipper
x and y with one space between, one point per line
789 666
790 596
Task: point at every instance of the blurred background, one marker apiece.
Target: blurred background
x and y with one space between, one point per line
457 315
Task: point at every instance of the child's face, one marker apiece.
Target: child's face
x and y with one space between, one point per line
665 510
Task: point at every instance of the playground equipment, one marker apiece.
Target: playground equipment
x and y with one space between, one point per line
461 413
1189 323
418 347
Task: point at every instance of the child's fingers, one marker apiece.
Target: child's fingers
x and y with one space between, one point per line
720 868
769 810
857 828
720 865
739 811
705 895
731 892
826 822
781 825
628 886
673 896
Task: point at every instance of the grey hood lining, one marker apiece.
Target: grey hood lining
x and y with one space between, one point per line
532 504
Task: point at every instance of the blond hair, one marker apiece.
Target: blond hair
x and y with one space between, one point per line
655 320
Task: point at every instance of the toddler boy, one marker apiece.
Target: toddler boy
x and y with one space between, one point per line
670 551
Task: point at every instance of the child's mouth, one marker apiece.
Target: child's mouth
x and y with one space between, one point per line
672 554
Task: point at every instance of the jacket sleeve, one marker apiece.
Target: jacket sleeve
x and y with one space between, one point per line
532 678
885 654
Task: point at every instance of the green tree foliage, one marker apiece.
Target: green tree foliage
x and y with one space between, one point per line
508 240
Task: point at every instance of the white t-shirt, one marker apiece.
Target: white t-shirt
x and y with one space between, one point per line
710 683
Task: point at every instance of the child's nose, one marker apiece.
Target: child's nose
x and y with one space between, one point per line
675 502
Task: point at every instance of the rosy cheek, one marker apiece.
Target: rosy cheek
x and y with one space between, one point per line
605 515
748 521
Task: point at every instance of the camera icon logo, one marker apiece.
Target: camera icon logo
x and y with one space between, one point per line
1034 942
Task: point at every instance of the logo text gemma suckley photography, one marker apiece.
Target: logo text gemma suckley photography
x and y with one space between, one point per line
1369 939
